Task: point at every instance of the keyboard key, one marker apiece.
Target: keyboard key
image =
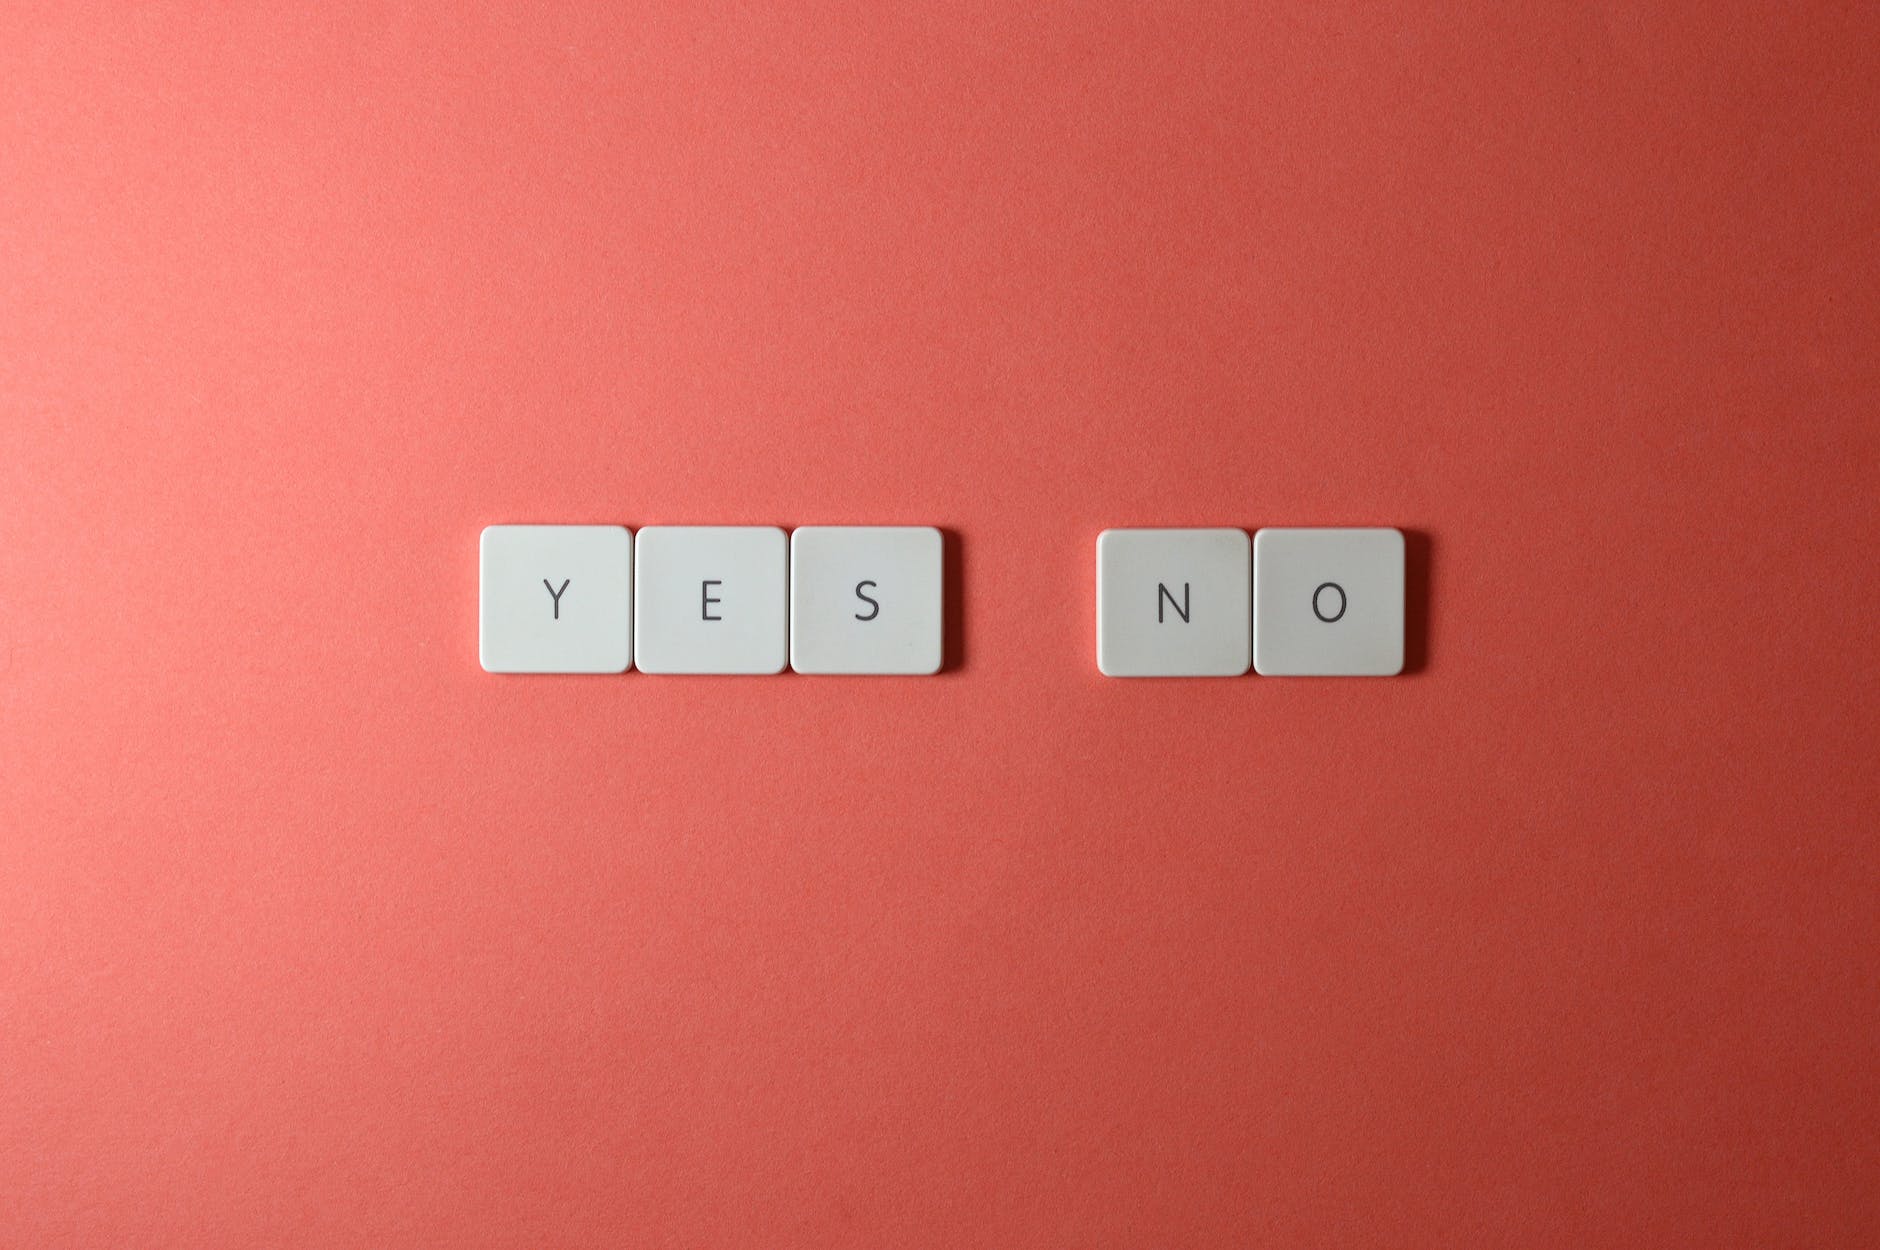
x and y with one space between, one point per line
556 599
1328 602
1174 603
865 599
711 599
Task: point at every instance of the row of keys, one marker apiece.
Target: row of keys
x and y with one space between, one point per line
867 599
1293 603
710 599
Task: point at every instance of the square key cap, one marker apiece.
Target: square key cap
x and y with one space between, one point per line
556 599
711 599
865 599
1174 603
1328 602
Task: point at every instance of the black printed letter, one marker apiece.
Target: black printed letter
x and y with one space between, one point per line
865 599
706 600
555 594
1181 609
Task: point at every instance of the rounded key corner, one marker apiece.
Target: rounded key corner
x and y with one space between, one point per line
1245 667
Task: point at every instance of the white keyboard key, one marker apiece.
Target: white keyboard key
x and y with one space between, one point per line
865 599
1174 603
1328 602
711 599
556 599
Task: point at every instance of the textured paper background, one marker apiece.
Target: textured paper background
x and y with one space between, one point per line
312 934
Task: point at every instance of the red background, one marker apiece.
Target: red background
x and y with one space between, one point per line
311 933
